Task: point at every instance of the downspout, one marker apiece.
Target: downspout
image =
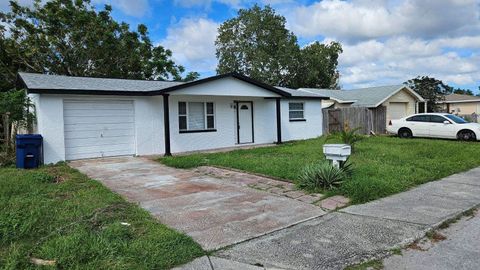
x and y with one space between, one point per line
279 121
166 124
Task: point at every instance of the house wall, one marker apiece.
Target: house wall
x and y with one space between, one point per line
401 96
148 124
225 123
464 108
310 128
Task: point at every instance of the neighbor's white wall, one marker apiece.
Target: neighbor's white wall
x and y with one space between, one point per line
149 133
311 128
225 124
226 87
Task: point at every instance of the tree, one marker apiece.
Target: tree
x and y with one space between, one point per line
431 89
257 44
463 91
318 66
69 37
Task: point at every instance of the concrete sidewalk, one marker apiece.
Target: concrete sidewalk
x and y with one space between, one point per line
356 233
454 247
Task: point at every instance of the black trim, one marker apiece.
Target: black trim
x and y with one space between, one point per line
198 131
300 97
238 122
279 121
166 124
298 120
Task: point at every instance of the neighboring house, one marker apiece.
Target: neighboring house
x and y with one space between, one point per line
461 104
82 117
399 100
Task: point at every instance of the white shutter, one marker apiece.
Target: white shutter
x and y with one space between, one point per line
196 116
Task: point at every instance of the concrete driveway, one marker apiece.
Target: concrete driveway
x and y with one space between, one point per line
215 212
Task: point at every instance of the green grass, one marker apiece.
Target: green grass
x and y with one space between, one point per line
56 213
382 165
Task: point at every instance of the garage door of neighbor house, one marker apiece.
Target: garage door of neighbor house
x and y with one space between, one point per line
98 128
397 110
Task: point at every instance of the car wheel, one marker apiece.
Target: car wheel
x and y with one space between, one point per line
405 133
466 135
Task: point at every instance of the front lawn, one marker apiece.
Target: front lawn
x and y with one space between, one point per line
382 165
55 213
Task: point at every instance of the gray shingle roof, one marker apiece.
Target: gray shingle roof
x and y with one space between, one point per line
58 82
299 92
363 97
452 98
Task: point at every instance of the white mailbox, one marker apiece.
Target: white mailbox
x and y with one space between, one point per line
337 152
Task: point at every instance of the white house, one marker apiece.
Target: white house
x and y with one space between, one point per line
81 117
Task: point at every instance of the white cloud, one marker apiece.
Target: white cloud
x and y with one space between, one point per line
136 8
390 41
362 19
398 59
192 42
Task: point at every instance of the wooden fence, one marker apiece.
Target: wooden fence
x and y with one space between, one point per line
368 120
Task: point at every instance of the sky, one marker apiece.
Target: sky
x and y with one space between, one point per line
384 42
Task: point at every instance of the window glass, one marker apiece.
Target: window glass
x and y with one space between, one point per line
182 122
295 110
418 118
295 106
456 119
209 108
210 122
295 114
437 119
182 108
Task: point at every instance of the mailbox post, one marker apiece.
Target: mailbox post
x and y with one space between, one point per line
337 153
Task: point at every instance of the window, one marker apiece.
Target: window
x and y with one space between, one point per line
418 118
437 119
296 111
456 119
196 116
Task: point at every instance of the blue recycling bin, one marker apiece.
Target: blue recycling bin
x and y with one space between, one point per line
29 150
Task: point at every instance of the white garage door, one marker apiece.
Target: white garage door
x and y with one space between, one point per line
397 110
98 128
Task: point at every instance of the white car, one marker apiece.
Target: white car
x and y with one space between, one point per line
436 125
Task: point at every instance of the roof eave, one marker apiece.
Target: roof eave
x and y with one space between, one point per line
87 92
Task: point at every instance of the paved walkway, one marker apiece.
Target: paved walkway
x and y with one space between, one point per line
361 232
456 247
216 212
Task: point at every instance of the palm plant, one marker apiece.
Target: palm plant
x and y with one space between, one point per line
348 136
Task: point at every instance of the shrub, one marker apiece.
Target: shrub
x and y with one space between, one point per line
323 175
348 136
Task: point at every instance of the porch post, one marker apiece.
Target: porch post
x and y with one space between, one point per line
166 123
425 106
279 121
416 107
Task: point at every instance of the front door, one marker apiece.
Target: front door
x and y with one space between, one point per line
244 122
